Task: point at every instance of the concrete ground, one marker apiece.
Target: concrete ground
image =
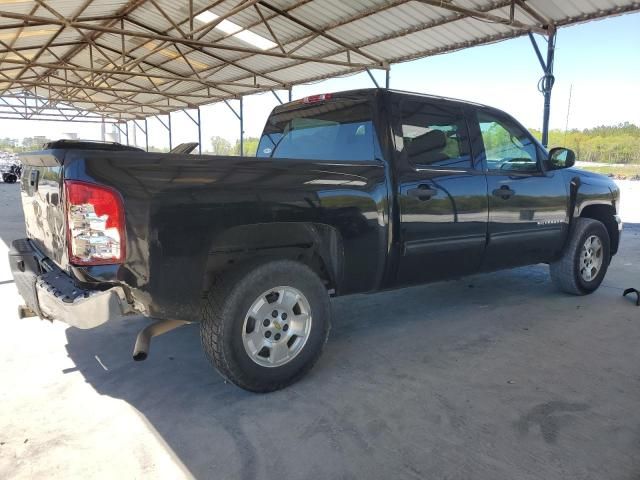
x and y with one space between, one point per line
492 377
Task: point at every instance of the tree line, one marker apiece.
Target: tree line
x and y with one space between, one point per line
27 144
222 146
606 144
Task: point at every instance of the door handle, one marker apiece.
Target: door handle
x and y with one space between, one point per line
504 192
422 192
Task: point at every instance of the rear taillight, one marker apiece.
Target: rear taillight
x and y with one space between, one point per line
95 224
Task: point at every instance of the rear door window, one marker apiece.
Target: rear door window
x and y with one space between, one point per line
330 130
435 134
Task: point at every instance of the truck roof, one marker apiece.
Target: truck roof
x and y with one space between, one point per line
365 92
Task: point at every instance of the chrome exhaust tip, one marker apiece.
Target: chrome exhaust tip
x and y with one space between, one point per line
143 340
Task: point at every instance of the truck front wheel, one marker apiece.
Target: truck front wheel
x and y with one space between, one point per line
264 327
584 263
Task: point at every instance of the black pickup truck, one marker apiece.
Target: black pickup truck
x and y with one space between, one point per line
349 192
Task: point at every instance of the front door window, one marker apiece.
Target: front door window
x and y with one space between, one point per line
508 148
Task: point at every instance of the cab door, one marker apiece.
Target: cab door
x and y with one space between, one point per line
528 205
442 196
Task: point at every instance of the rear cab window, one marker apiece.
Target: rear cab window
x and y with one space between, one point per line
335 129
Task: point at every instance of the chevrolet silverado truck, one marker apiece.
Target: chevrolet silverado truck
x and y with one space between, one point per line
350 192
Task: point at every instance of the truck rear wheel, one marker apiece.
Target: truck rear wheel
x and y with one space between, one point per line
584 264
263 327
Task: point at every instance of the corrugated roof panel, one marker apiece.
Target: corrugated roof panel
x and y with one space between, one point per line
321 38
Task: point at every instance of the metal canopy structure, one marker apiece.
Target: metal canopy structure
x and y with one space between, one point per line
121 60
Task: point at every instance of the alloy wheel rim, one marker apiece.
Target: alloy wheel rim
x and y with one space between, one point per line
277 326
591 257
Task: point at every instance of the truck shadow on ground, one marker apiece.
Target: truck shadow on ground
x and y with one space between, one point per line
395 381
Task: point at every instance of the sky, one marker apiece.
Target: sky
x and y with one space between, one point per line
598 61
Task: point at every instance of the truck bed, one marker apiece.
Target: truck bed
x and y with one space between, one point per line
188 216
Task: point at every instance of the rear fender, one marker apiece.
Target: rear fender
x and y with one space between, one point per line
317 245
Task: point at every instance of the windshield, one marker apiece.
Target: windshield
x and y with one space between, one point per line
336 130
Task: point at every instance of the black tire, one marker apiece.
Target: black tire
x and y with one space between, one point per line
228 303
566 272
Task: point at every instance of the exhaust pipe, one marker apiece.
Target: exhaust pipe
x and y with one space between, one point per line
143 340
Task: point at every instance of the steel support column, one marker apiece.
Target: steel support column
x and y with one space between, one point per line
146 135
121 132
239 116
277 97
545 85
196 120
199 133
241 128
167 126
373 79
387 77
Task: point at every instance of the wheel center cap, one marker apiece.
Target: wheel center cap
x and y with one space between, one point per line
277 325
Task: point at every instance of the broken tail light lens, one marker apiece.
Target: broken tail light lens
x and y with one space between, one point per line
95 224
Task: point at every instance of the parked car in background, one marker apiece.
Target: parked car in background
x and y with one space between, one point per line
10 168
350 192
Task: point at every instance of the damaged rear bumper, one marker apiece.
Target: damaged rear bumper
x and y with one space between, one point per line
54 295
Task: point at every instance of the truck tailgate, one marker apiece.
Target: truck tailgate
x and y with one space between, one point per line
43 203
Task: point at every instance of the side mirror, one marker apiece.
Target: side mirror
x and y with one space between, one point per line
561 158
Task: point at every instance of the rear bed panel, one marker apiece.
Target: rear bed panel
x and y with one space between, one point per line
43 203
181 212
